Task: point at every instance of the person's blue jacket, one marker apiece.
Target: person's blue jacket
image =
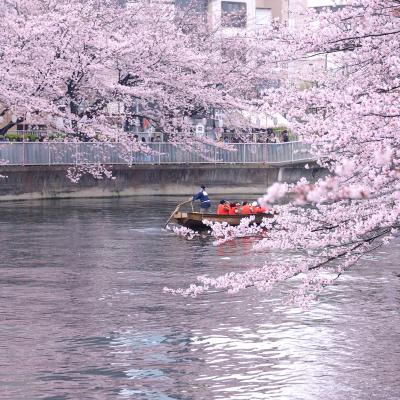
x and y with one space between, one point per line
203 197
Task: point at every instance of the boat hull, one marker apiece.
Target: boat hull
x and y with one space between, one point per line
194 220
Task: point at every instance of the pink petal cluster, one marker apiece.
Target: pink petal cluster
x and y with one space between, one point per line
97 171
184 232
274 193
223 232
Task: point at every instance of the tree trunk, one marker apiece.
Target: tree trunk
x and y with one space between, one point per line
7 127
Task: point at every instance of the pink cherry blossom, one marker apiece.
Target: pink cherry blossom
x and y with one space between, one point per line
184 232
349 113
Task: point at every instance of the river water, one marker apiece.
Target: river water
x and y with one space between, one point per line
83 315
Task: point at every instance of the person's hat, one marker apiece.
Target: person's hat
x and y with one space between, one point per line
254 204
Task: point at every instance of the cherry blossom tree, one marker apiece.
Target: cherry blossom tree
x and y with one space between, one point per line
350 114
68 61
50 60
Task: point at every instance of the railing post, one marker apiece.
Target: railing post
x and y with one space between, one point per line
265 153
131 154
49 154
244 153
23 152
76 153
291 148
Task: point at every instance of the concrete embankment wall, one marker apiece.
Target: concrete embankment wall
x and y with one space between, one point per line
44 182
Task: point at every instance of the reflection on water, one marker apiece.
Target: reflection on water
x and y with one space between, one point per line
83 315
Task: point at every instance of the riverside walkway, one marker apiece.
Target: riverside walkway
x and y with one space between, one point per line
61 153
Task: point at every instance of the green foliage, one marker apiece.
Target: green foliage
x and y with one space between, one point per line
56 137
31 137
279 129
13 137
17 137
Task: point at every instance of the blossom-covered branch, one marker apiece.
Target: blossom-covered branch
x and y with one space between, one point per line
349 114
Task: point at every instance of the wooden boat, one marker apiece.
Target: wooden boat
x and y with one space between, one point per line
194 220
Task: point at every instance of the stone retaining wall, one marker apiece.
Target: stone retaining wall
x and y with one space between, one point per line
44 182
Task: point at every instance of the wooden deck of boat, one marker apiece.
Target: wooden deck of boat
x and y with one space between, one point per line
194 220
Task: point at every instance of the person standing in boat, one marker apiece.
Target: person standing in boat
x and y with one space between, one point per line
205 202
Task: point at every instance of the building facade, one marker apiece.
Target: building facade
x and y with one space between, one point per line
246 14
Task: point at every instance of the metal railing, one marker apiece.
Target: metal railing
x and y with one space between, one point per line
61 153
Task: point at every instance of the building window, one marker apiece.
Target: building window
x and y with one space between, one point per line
320 9
233 14
263 17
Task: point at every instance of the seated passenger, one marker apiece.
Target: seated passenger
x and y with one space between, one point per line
257 209
246 209
233 209
223 208
238 208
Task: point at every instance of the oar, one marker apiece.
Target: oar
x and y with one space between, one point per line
176 209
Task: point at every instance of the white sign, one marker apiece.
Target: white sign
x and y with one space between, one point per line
199 129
